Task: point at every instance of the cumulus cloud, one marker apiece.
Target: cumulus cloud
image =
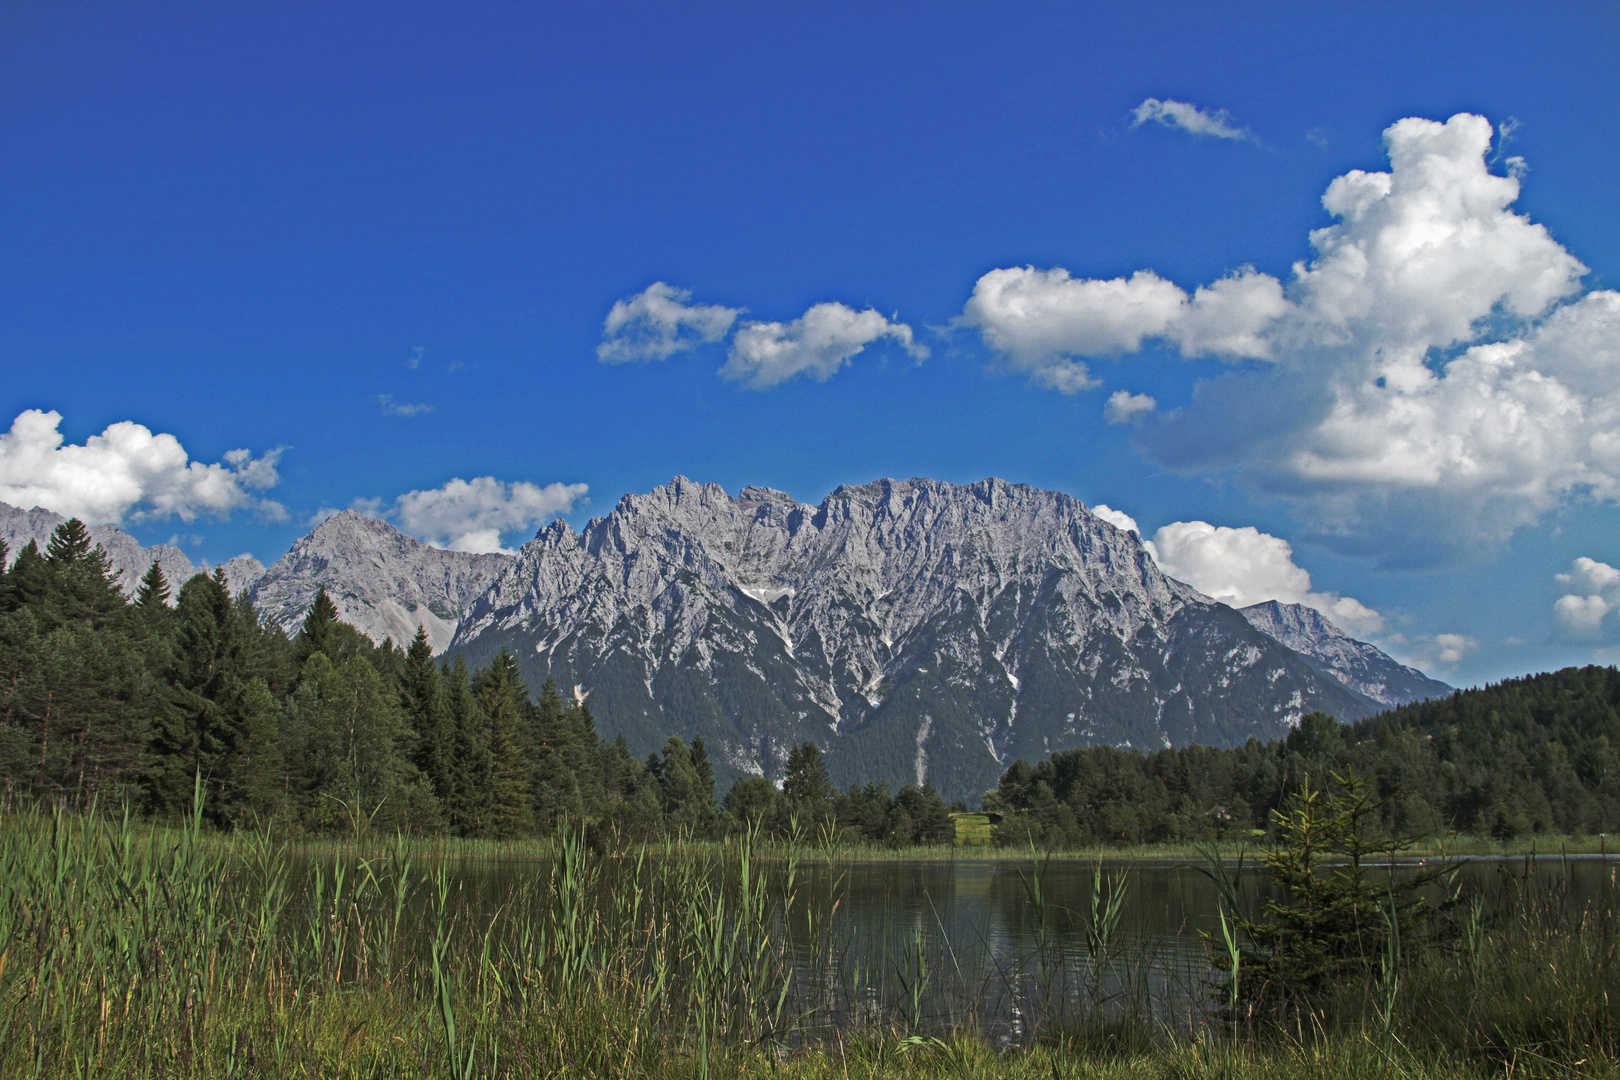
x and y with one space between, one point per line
1245 566
1432 379
1119 519
126 472
1593 596
659 322
471 515
1124 406
1215 123
1041 320
816 344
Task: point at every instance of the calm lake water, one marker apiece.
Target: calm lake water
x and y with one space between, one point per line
963 942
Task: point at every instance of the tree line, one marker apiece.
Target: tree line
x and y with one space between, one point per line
130 700
1527 756
133 700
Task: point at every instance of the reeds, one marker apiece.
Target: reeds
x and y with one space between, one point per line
128 951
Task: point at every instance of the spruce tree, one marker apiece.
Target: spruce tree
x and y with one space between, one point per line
29 584
554 757
503 699
807 790
153 591
85 589
470 764
319 627
688 799
217 725
427 715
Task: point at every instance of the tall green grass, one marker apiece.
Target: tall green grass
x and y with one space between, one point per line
128 951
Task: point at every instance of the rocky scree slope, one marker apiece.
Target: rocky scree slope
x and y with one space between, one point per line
1362 667
914 629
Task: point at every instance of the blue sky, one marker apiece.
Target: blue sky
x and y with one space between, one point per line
383 240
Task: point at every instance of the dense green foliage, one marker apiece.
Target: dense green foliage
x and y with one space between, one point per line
114 701
1526 756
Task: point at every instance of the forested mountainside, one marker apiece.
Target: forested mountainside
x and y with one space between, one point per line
111 699
1539 754
114 699
915 629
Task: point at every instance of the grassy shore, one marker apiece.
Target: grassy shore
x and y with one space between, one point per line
432 848
129 951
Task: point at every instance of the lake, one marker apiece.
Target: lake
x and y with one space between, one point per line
999 944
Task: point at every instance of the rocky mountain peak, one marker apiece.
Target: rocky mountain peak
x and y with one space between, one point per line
1362 667
383 581
915 628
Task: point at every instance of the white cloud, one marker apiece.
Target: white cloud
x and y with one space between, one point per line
390 407
1594 593
1229 318
471 515
1431 651
1124 406
126 471
1119 519
659 322
1430 381
1040 320
816 344
1245 566
1189 118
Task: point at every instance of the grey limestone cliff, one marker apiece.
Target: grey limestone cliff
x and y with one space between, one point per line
383 582
915 629
1364 668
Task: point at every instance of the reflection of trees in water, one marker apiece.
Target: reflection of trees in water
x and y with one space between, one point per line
941 944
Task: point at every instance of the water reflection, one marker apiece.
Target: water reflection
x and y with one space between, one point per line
1001 945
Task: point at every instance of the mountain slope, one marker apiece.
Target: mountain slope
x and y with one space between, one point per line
383 582
915 629
1362 667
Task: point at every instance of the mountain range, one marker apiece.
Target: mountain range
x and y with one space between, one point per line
915 630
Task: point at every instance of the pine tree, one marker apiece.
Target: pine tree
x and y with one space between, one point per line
319 627
85 590
703 769
28 583
688 802
503 699
807 790
153 591
217 725
469 809
554 756
428 717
